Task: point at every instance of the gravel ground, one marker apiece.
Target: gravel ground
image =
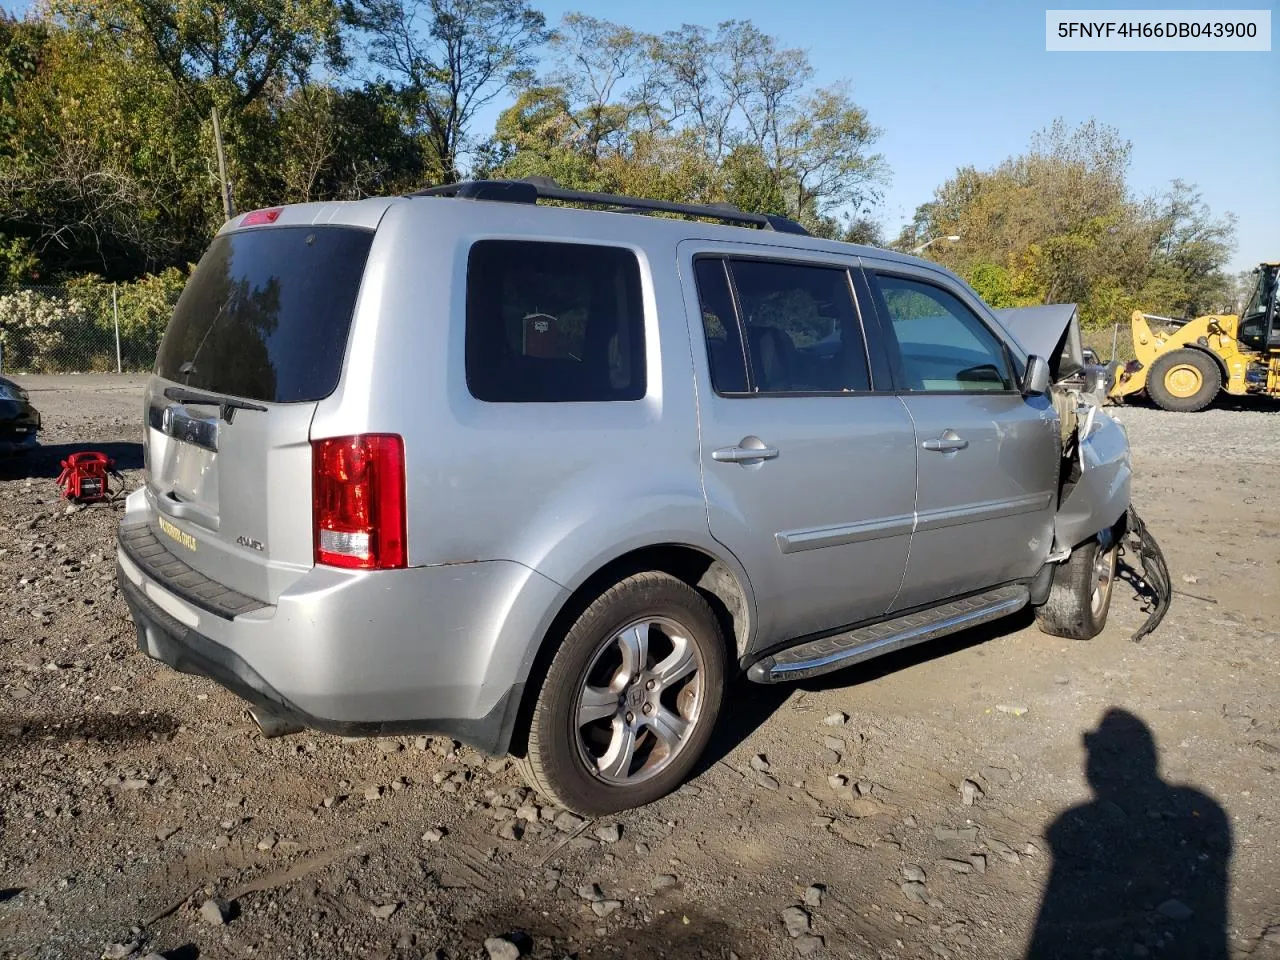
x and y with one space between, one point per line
937 803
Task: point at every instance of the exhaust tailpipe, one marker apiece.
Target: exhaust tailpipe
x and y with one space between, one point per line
270 725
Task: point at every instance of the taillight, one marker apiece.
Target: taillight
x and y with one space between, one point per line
258 217
358 501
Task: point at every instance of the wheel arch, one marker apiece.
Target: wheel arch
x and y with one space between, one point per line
720 579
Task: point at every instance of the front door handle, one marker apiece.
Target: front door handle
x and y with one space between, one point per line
948 442
749 450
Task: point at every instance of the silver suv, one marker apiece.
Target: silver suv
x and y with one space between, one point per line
546 478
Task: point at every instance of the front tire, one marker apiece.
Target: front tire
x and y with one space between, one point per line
630 698
1184 381
1081 593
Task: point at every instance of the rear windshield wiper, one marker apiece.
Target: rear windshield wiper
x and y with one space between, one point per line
227 406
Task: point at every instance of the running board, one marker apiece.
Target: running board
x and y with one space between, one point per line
845 649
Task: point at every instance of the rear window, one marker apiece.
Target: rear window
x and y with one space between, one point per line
266 314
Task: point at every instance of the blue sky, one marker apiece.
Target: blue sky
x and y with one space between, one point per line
965 83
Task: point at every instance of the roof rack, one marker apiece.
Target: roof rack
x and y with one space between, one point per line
533 189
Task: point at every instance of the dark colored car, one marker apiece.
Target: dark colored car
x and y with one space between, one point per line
19 420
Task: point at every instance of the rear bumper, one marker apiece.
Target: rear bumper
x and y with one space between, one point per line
425 650
163 638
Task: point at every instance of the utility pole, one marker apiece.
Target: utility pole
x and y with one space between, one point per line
228 208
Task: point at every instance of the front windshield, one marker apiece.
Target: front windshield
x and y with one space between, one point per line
1253 319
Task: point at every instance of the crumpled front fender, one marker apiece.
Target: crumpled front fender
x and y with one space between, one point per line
1100 497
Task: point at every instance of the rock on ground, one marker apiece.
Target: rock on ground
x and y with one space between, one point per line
500 948
215 911
796 921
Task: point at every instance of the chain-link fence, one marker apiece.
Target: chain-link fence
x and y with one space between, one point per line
85 327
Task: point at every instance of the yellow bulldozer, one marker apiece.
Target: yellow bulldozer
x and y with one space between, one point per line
1185 363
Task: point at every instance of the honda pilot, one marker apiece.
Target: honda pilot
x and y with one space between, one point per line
546 478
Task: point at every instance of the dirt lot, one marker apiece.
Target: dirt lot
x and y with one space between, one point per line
130 794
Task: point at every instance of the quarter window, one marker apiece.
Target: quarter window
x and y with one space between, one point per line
945 347
553 322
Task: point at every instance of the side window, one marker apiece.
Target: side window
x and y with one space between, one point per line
944 346
802 330
720 326
553 322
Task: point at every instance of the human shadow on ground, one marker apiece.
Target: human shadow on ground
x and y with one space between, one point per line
1142 868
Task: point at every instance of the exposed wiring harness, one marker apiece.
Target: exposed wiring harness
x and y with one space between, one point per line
1154 572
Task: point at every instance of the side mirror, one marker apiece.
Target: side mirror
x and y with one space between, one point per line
1035 379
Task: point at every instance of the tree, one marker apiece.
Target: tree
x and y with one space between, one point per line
317 141
1059 223
1191 249
93 158
739 88
693 114
106 149
223 52
451 57
593 59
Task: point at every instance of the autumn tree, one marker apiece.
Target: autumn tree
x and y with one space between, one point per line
1060 223
107 162
693 114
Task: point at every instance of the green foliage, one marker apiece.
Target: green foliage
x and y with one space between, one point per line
21 43
107 161
694 114
143 308
749 183
993 284
1059 224
18 262
105 168
106 146
225 52
318 142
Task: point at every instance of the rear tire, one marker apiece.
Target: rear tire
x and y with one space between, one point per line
1080 596
1184 381
630 698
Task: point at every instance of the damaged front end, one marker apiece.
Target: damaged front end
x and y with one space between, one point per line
1094 493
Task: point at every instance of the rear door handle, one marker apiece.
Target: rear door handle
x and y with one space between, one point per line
748 450
949 442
